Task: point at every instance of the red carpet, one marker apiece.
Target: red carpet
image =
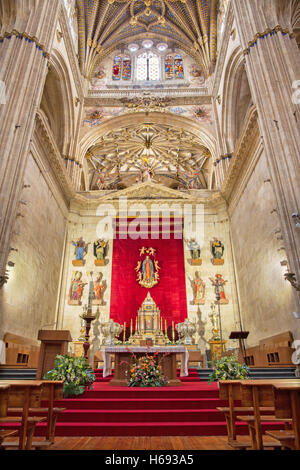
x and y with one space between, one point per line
187 410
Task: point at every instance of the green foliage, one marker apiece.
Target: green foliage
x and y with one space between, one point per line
74 371
146 372
228 368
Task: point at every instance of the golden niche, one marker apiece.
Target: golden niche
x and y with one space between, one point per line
149 323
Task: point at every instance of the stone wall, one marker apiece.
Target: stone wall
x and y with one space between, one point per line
267 300
28 300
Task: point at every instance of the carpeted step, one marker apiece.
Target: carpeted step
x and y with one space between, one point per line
128 416
148 429
139 404
186 390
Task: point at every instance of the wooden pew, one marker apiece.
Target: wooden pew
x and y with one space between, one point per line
21 352
4 433
23 394
230 390
287 405
258 394
51 390
274 351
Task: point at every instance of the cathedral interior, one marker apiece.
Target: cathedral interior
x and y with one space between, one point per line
186 103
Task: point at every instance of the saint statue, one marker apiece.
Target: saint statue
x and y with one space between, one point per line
76 289
217 250
219 284
148 269
80 251
194 248
199 289
100 249
99 287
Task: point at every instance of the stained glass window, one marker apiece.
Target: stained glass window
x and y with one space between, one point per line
178 67
126 73
147 66
169 67
116 73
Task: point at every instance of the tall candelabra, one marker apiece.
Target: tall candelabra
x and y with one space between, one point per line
88 317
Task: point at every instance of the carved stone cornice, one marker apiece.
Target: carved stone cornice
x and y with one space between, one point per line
147 193
55 159
268 32
27 38
244 149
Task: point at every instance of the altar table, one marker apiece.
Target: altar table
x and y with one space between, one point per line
124 354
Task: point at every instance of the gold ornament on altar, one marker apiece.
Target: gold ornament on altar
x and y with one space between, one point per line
147 270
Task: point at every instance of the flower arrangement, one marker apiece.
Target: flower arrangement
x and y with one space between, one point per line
228 368
146 371
74 371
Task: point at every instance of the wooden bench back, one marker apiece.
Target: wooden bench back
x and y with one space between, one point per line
230 390
284 339
4 391
18 395
264 394
52 390
21 351
283 409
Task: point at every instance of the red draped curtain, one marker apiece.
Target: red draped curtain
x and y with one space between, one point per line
127 294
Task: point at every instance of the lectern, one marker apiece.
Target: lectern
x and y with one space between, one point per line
53 342
241 336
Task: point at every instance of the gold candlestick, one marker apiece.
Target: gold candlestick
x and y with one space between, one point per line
130 327
166 331
124 332
173 333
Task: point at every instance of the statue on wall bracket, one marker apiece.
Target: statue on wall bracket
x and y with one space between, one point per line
147 270
100 251
80 251
219 284
98 290
217 250
195 251
198 286
76 289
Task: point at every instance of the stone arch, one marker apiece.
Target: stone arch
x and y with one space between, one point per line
237 99
57 103
91 138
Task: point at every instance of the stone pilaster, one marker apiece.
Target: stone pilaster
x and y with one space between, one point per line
273 65
26 37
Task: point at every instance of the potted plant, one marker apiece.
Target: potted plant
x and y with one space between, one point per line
228 368
74 371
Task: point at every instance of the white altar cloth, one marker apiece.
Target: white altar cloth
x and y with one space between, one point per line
109 350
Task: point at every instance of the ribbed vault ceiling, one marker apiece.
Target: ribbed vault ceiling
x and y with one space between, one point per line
105 24
164 154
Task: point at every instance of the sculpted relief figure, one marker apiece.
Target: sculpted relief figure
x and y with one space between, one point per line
195 251
217 250
199 289
76 289
219 284
99 287
80 251
100 251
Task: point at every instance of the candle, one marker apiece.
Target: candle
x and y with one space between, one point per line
131 327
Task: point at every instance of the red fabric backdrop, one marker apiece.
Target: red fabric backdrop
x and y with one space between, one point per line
126 293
